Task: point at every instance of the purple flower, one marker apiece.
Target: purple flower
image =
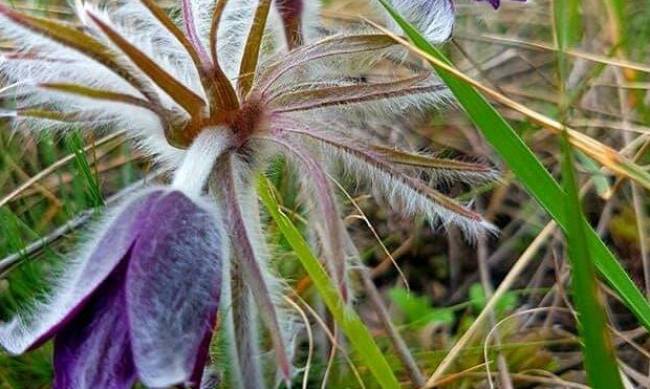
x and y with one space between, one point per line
141 304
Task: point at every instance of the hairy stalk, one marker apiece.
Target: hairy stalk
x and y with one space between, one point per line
70 37
217 13
350 94
191 32
249 374
182 95
326 48
449 210
322 190
243 231
239 321
213 80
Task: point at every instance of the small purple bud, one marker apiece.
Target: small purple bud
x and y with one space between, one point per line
496 3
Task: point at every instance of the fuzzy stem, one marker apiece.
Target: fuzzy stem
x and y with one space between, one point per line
200 159
242 225
246 334
325 48
448 209
251 55
291 14
334 230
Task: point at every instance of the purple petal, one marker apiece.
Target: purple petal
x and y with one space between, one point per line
93 350
79 279
172 291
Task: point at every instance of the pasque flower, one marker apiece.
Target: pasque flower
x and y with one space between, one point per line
141 302
215 97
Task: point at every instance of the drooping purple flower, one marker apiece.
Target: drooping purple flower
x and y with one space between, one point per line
140 305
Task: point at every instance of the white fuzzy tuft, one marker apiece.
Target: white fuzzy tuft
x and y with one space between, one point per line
36 60
200 158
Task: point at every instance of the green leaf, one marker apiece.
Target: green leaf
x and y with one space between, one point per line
599 179
345 316
599 358
479 300
529 171
568 29
76 146
419 310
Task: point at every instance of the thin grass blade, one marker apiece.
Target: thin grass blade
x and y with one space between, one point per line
599 358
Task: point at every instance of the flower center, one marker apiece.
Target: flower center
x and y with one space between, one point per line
246 121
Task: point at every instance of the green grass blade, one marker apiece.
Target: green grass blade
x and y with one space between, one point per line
599 359
529 171
346 317
76 146
568 29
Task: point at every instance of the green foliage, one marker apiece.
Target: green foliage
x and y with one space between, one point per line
418 310
529 171
86 181
479 300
